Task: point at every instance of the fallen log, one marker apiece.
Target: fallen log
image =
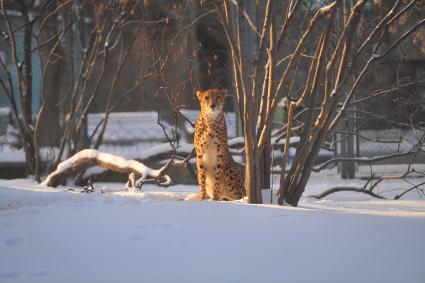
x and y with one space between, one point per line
89 157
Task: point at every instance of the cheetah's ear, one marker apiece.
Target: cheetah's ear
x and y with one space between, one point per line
198 94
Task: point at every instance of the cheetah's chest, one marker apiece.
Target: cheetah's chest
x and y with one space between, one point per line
210 160
209 157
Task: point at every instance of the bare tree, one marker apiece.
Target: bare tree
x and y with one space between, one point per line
312 58
54 48
328 42
83 48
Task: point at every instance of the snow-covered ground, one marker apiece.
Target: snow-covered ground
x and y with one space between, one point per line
165 235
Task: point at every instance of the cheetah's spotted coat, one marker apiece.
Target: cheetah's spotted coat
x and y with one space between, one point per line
219 177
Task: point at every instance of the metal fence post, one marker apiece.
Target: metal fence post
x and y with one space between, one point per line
346 148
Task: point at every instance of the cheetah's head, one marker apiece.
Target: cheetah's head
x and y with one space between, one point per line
212 100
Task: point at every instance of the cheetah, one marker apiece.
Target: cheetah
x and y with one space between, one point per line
219 177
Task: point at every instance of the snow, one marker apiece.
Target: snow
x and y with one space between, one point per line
292 140
9 155
390 141
165 147
235 141
8 134
16 156
165 235
4 111
95 170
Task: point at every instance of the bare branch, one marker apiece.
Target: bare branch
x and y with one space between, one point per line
361 159
347 189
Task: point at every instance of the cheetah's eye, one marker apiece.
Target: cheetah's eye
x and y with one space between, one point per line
207 97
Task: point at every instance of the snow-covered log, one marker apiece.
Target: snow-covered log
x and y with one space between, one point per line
90 157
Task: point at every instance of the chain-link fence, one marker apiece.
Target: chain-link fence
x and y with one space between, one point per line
130 134
391 150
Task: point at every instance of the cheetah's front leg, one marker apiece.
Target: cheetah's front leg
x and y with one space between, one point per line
202 174
218 170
